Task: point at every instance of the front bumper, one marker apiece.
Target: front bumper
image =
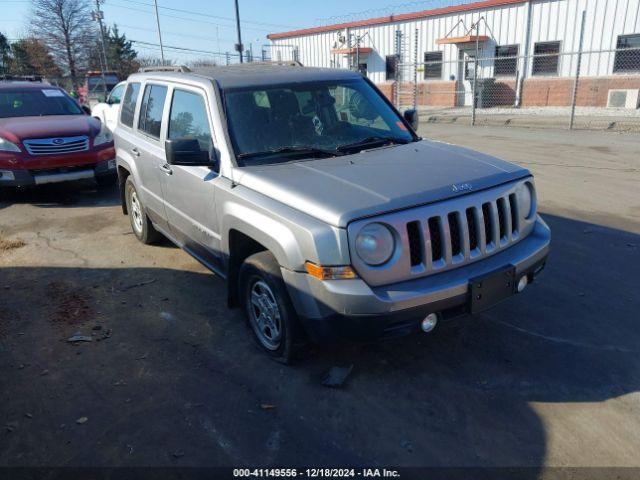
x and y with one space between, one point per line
22 178
352 310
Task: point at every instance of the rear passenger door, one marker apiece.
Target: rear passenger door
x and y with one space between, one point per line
149 150
130 145
189 191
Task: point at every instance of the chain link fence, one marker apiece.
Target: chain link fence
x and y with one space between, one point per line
593 89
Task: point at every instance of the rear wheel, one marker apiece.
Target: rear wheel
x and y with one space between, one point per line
268 309
140 224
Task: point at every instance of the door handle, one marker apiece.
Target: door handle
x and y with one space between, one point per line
166 168
135 151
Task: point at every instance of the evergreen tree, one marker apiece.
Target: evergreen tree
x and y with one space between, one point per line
121 56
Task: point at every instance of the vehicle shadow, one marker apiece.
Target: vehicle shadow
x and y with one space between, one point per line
172 377
71 194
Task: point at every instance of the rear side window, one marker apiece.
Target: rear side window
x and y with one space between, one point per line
151 109
189 119
128 107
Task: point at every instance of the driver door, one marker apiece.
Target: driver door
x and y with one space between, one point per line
189 191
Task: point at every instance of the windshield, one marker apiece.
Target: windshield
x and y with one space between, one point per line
36 102
269 125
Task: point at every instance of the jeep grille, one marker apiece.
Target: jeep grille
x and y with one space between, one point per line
439 237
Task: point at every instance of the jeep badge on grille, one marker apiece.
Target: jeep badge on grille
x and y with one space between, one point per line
461 187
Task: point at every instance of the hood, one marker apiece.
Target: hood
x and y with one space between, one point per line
341 189
16 129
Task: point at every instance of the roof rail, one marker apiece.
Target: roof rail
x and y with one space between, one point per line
280 63
165 68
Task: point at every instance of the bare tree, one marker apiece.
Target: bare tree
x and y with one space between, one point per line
65 27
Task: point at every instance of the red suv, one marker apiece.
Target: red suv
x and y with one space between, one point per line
46 137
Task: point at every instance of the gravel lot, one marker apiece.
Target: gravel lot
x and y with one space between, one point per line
172 378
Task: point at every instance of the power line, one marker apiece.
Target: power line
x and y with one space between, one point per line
183 49
169 32
202 14
126 7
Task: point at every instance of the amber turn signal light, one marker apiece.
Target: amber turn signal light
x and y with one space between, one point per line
344 272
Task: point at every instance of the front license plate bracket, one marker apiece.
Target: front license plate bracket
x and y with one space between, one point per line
492 288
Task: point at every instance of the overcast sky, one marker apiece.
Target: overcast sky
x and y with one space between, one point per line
211 27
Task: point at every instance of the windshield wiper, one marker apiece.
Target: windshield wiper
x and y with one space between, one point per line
299 150
371 142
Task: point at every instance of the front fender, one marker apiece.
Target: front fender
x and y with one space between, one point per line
292 236
272 234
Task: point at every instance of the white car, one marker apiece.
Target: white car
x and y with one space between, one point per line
107 112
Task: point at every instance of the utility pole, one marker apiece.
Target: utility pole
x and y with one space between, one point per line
155 2
239 46
98 15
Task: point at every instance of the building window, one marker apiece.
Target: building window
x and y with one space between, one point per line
433 65
392 67
545 59
627 60
506 62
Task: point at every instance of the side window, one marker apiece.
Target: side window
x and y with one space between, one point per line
116 95
151 109
129 104
188 118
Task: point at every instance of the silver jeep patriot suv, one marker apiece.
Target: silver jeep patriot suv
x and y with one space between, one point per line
318 203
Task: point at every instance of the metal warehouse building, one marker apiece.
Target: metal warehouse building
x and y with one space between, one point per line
500 52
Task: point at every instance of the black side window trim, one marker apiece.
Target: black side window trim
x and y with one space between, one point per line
133 114
142 114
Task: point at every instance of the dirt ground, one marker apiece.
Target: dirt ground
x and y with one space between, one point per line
173 378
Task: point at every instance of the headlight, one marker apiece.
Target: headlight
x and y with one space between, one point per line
524 194
375 244
7 146
105 136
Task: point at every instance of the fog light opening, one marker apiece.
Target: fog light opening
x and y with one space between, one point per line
522 283
429 322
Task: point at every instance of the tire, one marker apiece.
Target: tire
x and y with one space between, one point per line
106 181
260 275
140 224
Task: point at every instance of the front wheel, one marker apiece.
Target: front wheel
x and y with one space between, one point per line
267 307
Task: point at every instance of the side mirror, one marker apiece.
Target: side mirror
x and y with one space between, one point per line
412 117
86 109
187 151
